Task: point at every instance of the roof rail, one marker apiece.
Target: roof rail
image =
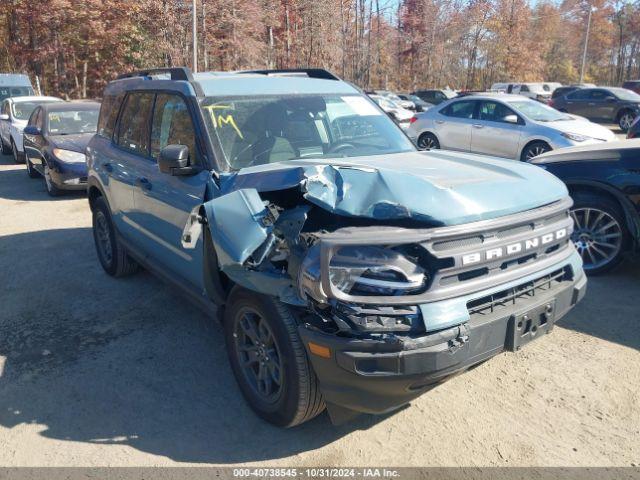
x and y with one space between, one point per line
177 73
309 72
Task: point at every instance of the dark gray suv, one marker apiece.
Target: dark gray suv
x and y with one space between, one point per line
602 104
349 269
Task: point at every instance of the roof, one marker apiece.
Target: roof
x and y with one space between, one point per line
598 151
70 106
14 80
35 98
506 97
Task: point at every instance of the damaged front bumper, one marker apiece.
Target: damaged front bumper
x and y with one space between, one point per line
377 374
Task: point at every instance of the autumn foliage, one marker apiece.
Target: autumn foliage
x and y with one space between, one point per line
74 47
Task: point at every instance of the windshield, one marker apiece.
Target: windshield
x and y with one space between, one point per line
538 111
624 94
256 130
7 92
23 110
70 122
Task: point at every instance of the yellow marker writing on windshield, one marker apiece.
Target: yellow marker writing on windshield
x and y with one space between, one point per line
221 120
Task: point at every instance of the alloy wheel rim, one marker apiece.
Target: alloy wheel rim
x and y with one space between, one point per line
104 239
258 355
626 121
597 236
535 151
426 142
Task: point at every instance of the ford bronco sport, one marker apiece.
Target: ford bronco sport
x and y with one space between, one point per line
349 269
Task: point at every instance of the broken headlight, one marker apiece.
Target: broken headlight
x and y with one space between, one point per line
375 271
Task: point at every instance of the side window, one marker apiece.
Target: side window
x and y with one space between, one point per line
5 108
599 95
459 109
524 88
494 112
133 130
440 96
172 125
33 119
109 114
579 95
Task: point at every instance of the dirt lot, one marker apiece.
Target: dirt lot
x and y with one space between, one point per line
98 371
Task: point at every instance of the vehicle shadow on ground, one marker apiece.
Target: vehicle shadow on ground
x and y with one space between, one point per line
94 359
618 288
15 184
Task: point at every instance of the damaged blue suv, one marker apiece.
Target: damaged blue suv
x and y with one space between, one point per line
350 271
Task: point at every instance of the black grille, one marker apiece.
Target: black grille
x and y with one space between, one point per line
519 294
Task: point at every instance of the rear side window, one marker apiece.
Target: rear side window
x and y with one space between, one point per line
109 114
133 130
172 125
579 95
459 109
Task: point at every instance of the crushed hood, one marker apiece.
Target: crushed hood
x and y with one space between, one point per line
446 188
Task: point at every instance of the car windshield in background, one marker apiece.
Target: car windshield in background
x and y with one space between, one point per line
70 122
538 111
6 92
23 110
624 94
256 130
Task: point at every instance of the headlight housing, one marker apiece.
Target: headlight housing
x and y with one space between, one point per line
575 137
375 271
69 156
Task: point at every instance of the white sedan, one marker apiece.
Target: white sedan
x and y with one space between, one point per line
14 115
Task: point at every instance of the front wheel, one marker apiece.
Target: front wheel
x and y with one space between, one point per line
269 360
14 151
428 141
626 120
599 233
32 172
52 189
533 150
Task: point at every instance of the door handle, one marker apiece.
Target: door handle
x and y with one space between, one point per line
439 122
477 125
143 183
108 167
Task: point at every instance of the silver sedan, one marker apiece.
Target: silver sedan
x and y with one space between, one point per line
509 126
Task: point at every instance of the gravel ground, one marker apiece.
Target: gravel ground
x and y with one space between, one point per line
102 372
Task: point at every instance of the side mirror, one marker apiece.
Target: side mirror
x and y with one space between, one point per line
174 160
511 119
4 116
610 99
32 130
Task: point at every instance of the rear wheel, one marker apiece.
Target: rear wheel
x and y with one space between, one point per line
428 141
112 255
269 360
6 150
533 150
625 120
600 233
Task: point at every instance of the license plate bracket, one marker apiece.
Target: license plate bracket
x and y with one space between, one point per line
530 325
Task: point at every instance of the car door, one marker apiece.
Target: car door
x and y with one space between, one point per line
603 103
164 203
577 102
4 123
492 134
131 149
33 144
453 125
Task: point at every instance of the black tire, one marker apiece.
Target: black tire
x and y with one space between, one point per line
17 157
52 188
5 149
533 150
625 120
428 141
114 260
32 172
589 231
297 397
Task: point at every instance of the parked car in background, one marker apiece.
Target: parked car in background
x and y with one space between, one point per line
536 91
419 104
633 85
14 114
349 269
400 115
634 130
604 181
602 104
560 91
503 125
435 97
551 86
55 140
14 85
395 98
